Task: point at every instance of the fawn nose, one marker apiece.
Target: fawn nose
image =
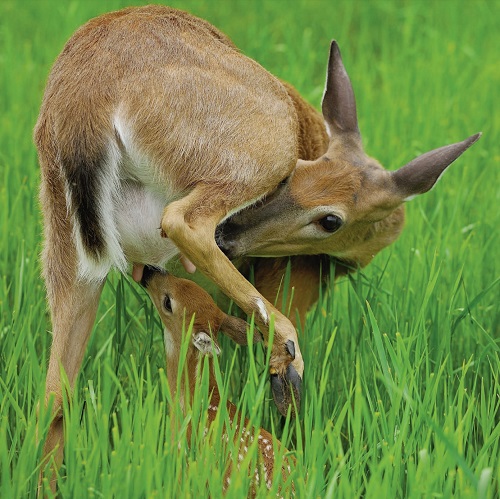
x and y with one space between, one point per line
148 272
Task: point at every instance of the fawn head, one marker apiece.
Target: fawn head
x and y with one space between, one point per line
343 204
177 300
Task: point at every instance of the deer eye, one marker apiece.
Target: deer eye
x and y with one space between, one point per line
330 223
167 304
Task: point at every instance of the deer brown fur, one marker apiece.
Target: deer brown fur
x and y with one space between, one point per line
178 301
153 124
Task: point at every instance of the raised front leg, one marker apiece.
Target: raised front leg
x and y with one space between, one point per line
191 223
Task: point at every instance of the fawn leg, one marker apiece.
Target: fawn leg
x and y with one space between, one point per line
191 223
73 309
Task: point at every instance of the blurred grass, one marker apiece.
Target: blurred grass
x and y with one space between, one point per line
402 388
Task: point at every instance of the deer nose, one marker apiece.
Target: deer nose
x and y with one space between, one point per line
148 272
224 241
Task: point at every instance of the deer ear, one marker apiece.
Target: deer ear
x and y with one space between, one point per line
339 103
236 329
421 174
206 344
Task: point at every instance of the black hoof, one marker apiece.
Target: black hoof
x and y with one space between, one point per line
286 389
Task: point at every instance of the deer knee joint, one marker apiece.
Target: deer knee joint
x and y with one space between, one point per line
172 222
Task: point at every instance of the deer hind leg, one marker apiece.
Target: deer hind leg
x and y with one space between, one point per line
73 311
191 223
73 306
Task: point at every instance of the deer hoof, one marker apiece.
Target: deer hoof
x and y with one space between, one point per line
286 389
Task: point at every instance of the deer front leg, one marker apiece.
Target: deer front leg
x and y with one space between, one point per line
73 311
191 223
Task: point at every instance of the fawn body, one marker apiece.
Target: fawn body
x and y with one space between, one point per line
177 300
152 119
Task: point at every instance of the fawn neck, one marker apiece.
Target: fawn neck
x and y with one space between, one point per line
184 389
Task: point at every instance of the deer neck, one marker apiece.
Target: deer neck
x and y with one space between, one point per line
183 390
214 401
312 135
193 371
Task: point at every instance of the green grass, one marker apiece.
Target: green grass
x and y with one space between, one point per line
402 388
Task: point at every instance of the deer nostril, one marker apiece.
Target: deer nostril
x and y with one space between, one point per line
226 237
227 247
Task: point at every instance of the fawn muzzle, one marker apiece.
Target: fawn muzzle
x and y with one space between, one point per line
148 273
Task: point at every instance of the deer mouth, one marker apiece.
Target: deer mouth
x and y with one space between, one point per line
226 238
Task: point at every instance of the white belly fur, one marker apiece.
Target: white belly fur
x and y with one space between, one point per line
138 215
131 206
132 218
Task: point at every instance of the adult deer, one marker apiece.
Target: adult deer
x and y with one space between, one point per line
177 302
152 118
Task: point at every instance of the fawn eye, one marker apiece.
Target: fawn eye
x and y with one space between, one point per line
167 304
330 223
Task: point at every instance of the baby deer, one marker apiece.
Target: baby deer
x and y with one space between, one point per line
177 300
152 118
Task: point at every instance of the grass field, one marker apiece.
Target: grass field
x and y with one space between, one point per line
401 396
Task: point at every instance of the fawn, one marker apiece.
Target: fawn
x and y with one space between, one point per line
177 300
152 118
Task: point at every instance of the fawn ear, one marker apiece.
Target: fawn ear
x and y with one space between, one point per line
206 344
421 174
339 103
236 329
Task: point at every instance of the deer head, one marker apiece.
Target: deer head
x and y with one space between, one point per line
343 204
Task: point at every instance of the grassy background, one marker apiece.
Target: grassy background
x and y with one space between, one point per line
402 388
